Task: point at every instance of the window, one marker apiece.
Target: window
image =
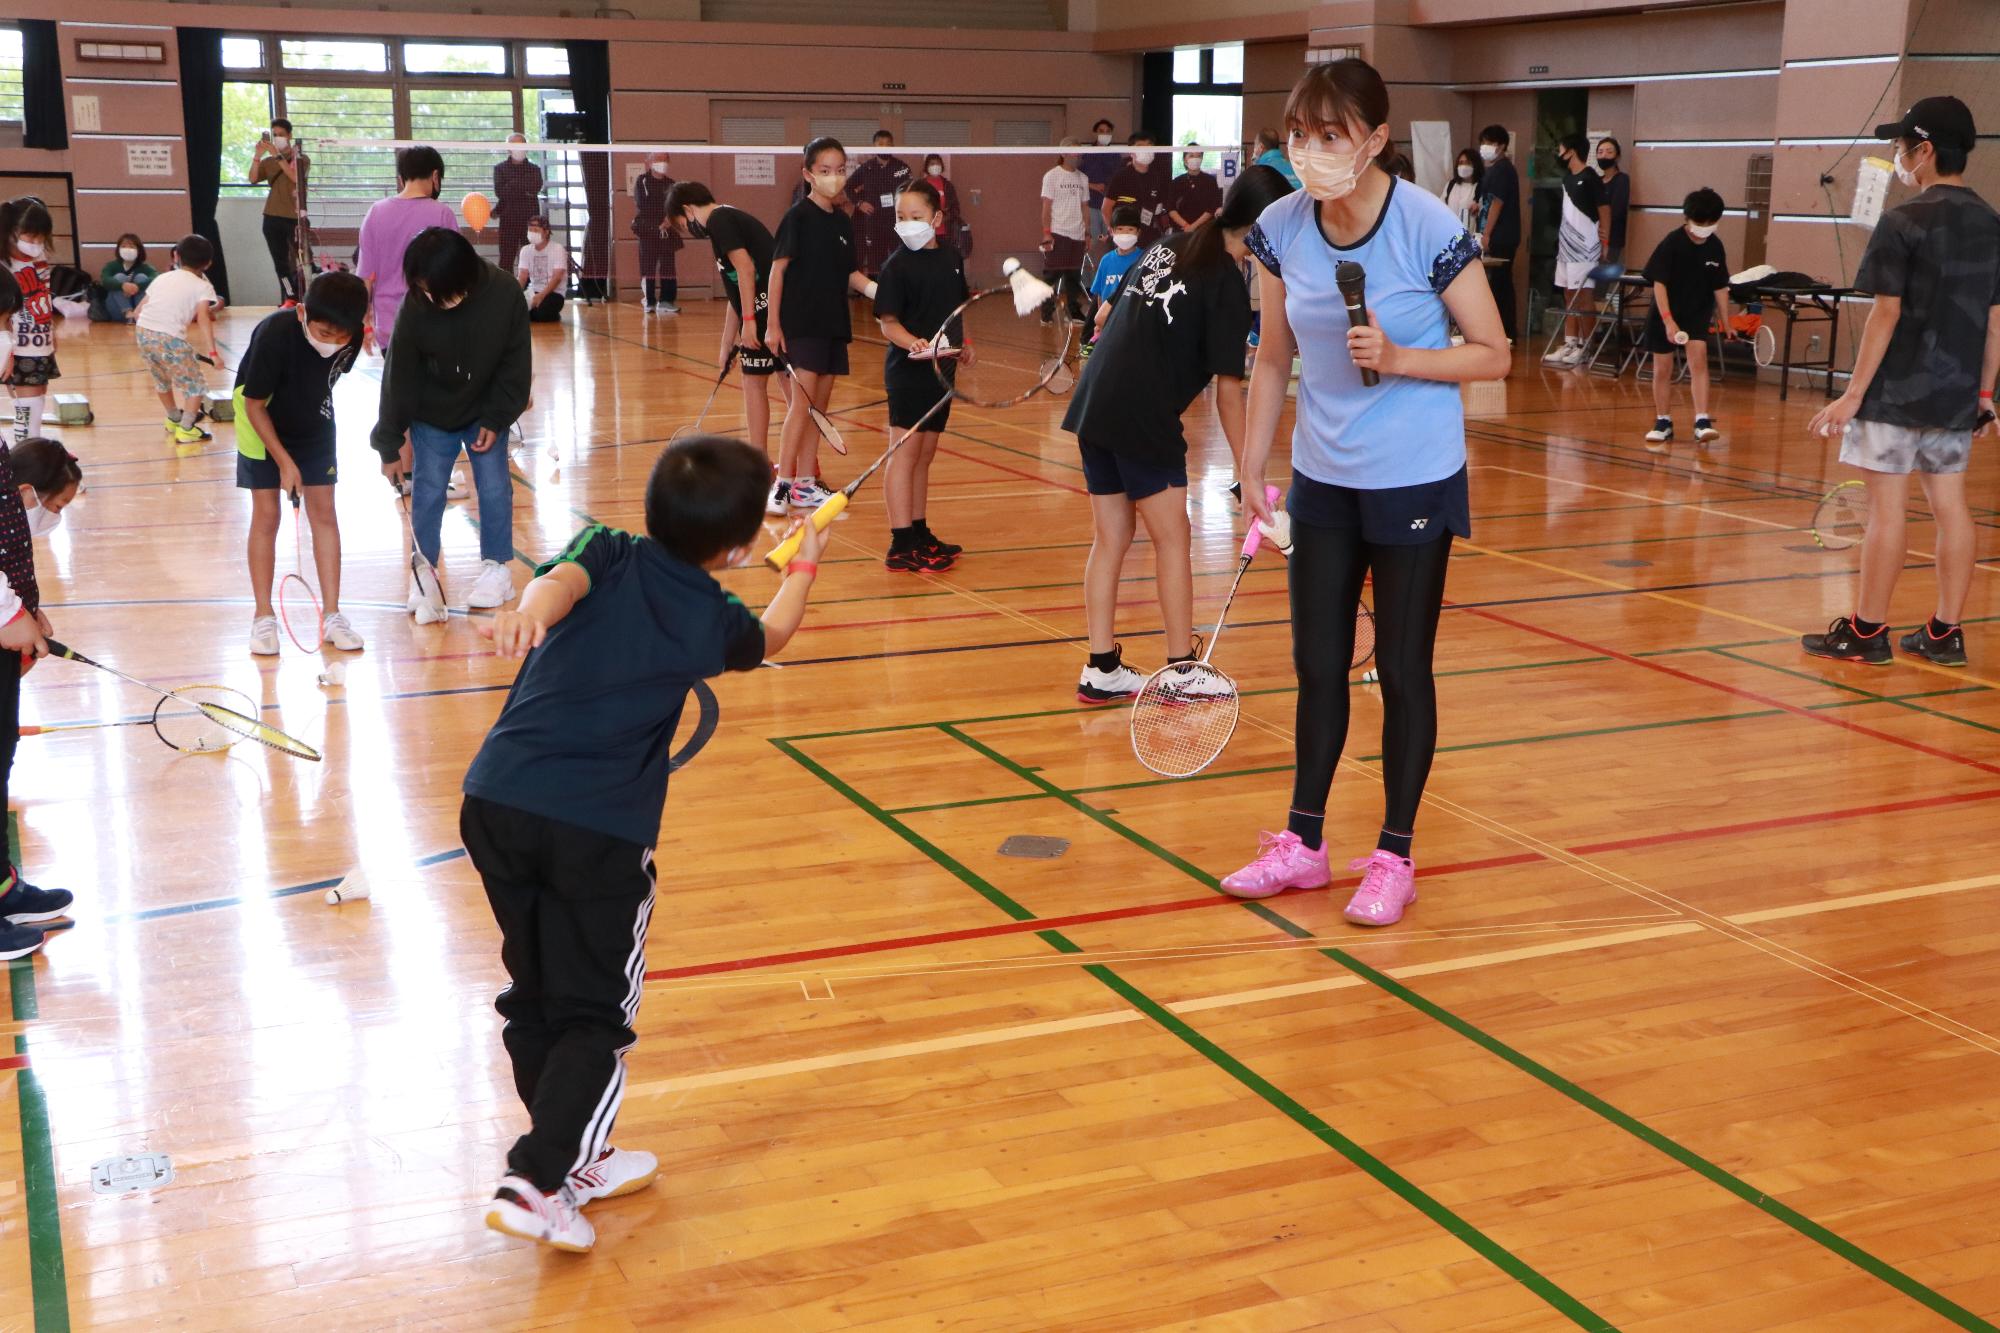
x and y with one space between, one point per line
1187 65
246 114
562 173
466 115
453 58
344 181
243 53
1228 64
358 57
10 75
548 62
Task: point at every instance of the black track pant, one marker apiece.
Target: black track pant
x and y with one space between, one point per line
573 906
280 237
1326 574
10 729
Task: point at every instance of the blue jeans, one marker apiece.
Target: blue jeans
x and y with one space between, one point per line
119 304
433 452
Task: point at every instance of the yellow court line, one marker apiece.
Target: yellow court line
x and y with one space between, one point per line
1086 1022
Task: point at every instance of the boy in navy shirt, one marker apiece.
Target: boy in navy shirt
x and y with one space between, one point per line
563 802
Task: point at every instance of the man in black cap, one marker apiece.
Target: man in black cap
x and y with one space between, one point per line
1922 385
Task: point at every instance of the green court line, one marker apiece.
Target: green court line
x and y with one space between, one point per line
1750 1194
1378 1170
1870 696
47 1273
1797 1221
1505 1260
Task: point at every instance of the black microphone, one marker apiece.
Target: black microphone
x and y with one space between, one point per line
1353 283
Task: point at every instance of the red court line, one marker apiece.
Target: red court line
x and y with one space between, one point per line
1825 719
1002 467
13 1062
1785 821
1044 923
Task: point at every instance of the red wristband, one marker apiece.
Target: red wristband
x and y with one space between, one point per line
802 567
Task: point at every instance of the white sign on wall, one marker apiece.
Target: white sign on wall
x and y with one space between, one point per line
84 114
756 169
633 171
144 158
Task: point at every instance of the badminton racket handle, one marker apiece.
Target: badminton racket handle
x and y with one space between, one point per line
1255 537
785 551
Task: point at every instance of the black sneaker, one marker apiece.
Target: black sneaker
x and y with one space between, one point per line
1842 644
1704 430
1948 651
24 904
916 560
18 941
931 545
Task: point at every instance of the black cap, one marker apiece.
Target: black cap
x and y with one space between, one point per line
1943 121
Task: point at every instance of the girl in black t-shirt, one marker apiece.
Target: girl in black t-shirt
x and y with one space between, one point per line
921 285
811 275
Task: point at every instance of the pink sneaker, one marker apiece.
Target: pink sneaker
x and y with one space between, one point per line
1388 886
1283 862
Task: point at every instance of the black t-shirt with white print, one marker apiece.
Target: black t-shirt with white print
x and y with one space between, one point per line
1692 272
1939 253
1172 330
729 230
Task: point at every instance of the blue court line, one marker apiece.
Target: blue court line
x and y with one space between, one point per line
290 891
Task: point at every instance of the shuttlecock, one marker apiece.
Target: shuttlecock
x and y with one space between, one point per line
1278 531
335 674
1030 292
353 887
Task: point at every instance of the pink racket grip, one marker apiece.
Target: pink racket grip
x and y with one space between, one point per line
1255 537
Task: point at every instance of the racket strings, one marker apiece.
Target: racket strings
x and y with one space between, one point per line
1183 718
295 595
181 723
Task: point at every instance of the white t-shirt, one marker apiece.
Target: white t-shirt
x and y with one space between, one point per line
1067 193
550 263
171 300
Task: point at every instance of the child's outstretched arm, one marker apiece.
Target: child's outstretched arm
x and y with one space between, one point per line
548 598
782 617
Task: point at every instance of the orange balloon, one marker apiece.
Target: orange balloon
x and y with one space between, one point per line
476 209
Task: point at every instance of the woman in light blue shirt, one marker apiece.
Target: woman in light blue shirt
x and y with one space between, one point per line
1378 481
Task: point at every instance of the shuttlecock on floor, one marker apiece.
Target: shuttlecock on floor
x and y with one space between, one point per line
354 886
335 674
1030 292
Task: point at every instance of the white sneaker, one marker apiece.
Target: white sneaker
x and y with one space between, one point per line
1557 357
493 587
520 1210
340 634
1704 430
456 489
420 607
779 502
616 1171
666 308
264 636
1109 687
1195 682
808 495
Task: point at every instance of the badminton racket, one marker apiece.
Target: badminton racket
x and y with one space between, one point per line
295 594
423 576
694 427
1186 711
230 719
836 504
1015 355
821 422
176 719
1841 520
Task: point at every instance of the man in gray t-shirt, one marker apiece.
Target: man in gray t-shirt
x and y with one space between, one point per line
1922 385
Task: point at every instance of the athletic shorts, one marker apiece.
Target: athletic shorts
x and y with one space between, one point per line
756 361
1390 516
1881 447
30 371
913 390
817 356
1107 473
1572 274
171 361
317 467
1655 338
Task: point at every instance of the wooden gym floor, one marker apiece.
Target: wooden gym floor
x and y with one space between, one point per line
1697 1025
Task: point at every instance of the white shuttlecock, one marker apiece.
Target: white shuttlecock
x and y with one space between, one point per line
1030 292
1278 532
350 889
335 674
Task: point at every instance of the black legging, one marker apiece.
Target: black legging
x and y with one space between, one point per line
1327 569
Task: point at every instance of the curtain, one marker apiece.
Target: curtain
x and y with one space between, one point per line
201 122
1156 95
43 122
590 86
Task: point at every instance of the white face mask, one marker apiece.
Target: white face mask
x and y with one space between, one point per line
41 522
830 187
915 234
29 249
1700 233
1327 175
518 154
658 168
1124 240
1487 152
1464 171
128 254
538 239
280 142
1103 139
324 349
1903 173
1142 158
934 169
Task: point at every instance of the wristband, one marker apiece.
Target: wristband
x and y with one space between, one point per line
1987 394
806 567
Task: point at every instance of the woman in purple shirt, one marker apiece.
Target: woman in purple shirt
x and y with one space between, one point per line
389 228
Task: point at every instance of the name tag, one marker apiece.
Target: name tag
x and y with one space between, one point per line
888 201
